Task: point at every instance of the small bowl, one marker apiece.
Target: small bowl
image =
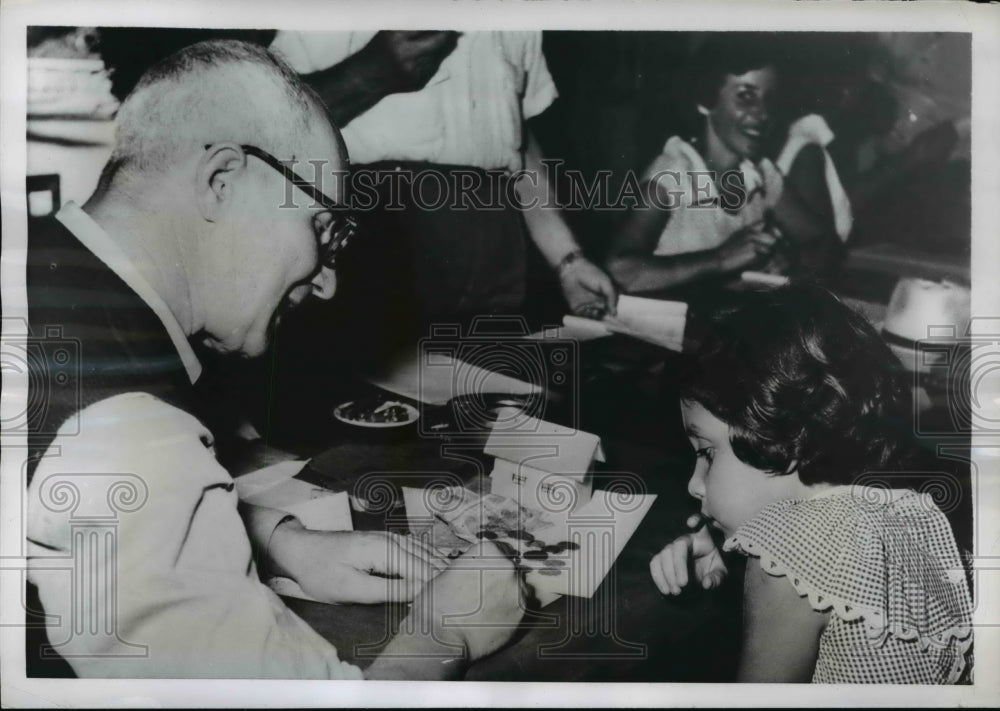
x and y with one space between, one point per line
339 414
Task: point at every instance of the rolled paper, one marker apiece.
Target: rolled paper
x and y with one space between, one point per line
583 328
764 279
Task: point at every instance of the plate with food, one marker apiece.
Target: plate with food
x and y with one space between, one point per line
377 413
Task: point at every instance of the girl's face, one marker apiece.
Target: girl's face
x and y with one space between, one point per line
731 491
739 123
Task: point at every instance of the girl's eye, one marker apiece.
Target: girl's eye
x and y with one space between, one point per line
705 453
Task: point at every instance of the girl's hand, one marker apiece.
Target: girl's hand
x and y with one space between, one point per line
669 567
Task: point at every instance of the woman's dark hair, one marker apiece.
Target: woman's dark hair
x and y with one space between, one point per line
736 53
805 384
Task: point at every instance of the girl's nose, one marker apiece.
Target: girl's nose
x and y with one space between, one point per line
324 284
696 486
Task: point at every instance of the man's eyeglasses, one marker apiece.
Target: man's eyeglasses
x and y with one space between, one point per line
332 233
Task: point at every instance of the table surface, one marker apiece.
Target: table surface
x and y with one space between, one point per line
627 631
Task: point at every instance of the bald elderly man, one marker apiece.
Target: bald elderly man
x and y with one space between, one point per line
197 233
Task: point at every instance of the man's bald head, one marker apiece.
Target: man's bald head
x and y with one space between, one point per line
221 90
210 225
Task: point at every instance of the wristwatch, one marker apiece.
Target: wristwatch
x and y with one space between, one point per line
568 261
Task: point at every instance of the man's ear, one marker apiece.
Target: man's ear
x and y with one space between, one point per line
217 171
703 110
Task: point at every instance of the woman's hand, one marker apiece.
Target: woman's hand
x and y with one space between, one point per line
669 567
782 257
353 566
743 249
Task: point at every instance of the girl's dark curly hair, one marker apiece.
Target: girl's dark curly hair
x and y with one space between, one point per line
805 384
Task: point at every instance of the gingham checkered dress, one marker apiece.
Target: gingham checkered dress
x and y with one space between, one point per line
885 564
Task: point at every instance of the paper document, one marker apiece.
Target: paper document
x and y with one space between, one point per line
254 482
653 320
579 547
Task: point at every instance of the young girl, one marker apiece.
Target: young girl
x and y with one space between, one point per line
792 404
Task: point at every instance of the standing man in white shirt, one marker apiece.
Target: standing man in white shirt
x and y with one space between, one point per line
451 103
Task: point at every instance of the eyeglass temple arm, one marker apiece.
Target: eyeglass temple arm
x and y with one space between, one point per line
292 177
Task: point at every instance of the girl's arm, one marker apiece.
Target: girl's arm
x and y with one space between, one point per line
780 630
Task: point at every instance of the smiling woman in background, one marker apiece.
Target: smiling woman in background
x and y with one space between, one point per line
717 204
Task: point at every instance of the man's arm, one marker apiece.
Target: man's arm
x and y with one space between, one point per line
465 614
586 287
178 586
174 594
392 62
356 566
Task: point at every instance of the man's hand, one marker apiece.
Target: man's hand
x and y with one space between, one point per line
465 614
409 58
589 291
477 603
352 566
669 567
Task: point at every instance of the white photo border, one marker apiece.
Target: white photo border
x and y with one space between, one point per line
982 21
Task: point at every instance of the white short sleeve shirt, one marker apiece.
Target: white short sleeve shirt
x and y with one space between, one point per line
470 113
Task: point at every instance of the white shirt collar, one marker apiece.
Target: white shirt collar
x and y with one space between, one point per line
94 238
